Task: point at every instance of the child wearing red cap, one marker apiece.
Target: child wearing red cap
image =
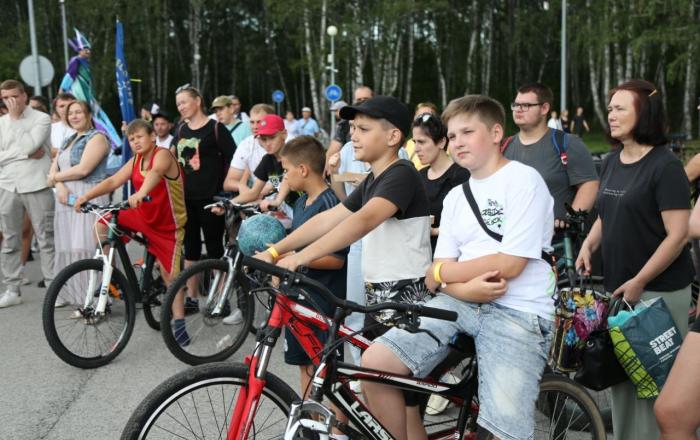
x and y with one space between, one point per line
271 134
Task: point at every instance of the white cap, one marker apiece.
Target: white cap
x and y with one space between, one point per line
338 105
306 109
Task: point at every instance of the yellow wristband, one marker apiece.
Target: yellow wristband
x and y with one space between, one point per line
273 252
436 272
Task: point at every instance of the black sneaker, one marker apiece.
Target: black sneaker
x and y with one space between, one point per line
191 306
41 284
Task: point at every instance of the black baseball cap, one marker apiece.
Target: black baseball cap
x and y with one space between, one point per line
381 107
161 114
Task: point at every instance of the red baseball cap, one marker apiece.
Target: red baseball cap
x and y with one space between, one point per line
270 125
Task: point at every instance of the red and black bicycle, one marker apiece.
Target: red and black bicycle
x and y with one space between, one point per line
241 401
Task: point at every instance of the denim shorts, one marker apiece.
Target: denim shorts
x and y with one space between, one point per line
511 349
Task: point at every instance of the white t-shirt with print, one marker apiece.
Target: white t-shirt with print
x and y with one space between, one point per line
248 155
514 202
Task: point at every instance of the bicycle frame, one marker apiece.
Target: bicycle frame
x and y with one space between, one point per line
138 284
301 321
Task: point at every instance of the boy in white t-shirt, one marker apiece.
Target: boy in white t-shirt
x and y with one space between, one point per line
501 290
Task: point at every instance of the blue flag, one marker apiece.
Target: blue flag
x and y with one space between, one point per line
126 99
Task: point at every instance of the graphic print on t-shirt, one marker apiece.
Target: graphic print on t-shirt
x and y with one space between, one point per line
187 150
275 180
493 215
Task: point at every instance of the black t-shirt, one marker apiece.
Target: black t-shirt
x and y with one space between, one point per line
438 188
578 124
270 170
399 248
215 151
630 201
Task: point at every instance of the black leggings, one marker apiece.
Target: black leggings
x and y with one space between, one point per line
210 224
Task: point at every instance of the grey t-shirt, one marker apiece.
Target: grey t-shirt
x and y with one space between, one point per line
561 181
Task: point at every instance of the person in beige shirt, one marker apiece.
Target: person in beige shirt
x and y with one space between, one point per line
24 164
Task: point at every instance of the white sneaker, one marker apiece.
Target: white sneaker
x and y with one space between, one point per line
60 302
235 318
10 298
26 281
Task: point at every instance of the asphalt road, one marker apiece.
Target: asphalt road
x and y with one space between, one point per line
41 397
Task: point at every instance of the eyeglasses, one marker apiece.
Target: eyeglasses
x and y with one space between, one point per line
187 87
523 105
424 117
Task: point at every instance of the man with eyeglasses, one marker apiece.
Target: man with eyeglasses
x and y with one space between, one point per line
563 160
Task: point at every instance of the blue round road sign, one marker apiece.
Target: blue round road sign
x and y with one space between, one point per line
278 96
333 92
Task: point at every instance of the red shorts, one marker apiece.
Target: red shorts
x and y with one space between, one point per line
165 245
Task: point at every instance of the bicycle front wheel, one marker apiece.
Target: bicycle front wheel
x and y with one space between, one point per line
198 403
75 331
564 409
205 335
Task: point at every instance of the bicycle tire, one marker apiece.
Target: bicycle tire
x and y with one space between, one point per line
153 302
185 389
210 340
576 402
122 304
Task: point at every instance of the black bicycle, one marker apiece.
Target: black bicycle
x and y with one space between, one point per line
227 298
238 401
92 332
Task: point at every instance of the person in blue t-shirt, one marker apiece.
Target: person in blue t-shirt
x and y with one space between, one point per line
308 125
303 160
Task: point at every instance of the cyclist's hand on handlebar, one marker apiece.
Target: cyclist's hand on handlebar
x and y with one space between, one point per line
136 199
79 202
560 223
291 261
266 205
218 210
265 256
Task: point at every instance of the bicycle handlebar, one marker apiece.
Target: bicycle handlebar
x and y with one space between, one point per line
289 278
89 207
226 203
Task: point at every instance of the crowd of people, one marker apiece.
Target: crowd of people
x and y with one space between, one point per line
469 210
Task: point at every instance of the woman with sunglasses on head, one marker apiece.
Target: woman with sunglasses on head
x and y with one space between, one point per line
204 148
440 174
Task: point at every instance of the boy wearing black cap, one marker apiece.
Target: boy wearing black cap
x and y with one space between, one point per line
389 211
162 126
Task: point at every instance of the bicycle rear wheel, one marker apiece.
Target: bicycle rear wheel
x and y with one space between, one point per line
75 333
198 403
207 336
564 409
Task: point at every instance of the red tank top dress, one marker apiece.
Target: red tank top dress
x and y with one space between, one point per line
162 220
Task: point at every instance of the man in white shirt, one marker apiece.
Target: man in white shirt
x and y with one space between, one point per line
162 126
24 164
60 131
248 154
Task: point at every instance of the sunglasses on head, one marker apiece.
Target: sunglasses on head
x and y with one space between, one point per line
424 117
187 87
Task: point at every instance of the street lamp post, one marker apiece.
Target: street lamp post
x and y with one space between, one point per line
332 31
35 50
65 31
562 102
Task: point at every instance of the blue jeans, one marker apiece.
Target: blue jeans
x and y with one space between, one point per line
511 347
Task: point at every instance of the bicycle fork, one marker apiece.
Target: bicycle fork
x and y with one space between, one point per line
249 396
107 270
228 285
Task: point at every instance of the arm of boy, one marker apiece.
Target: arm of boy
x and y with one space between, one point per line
308 232
482 289
233 179
279 198
508 266
162 163
352 228
329 262
106 186
96 150
252 195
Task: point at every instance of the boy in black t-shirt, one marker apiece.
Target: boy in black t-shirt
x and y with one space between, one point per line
271 135
389 211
